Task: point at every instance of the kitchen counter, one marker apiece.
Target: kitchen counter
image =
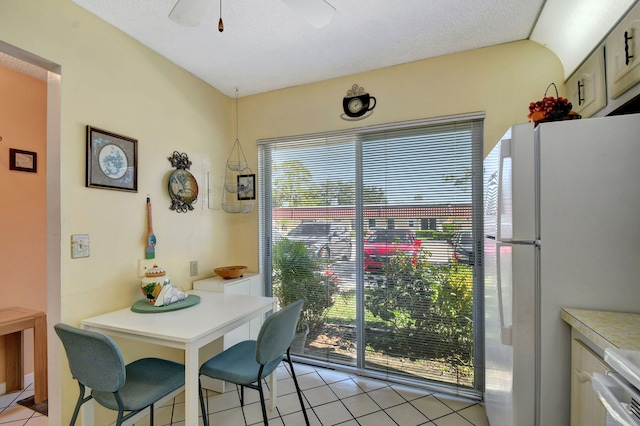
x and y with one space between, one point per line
591 333
605 329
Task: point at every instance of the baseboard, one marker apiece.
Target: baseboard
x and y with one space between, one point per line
28 380
212 384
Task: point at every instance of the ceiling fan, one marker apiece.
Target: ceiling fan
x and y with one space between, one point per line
317 12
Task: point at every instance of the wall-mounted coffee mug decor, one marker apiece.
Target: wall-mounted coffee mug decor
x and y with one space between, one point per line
357 104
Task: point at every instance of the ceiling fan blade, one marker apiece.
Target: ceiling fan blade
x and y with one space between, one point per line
317 12
189 12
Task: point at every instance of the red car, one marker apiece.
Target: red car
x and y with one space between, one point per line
382 244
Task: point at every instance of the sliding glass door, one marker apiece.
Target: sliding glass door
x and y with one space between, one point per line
376 229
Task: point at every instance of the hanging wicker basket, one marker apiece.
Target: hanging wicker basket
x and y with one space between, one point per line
233 196
238 206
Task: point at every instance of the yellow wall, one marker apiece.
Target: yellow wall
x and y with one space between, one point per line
23 114
500 81
112 82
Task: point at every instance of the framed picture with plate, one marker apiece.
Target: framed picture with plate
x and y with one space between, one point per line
112 161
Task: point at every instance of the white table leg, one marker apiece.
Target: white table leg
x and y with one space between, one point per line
191 369
87 412
273 380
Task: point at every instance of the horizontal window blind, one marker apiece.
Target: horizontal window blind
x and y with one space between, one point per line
377 229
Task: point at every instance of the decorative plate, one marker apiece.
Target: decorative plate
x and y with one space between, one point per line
113 161
142 306
183 190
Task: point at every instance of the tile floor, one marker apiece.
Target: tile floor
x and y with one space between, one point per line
332 397
13 414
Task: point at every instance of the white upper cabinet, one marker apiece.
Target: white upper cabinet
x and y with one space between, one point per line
623 54
586 88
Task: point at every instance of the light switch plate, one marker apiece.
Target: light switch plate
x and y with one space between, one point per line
79 246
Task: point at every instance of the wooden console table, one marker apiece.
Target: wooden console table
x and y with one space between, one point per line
13 322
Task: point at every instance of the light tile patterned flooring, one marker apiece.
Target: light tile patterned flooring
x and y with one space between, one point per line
332 397
13 414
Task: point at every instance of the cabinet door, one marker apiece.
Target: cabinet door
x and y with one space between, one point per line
586 408
586 88
623 54
250 285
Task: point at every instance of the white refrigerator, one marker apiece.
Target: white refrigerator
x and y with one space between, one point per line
562 229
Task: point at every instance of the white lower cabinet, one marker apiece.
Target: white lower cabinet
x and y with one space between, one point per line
251 284
586 408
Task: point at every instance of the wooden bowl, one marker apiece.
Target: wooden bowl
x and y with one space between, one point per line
229 272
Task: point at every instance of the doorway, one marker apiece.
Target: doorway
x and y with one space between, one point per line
26 62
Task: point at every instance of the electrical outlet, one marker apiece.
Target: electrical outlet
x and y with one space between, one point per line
194 268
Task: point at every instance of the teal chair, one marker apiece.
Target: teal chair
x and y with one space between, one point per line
96 362
247 363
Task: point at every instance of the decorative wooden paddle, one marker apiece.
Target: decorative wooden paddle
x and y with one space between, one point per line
150 251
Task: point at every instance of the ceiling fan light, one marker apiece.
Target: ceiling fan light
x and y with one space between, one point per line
189 12
317 12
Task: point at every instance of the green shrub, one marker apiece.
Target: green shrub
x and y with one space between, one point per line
296 275
446 234
428 308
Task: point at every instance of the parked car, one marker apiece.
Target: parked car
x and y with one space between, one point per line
382 244
463 247
326 240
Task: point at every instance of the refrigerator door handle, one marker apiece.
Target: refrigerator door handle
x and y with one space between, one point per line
505 329
505 152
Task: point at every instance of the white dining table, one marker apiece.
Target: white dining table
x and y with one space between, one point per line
188 329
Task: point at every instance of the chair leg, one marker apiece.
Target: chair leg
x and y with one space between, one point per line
295 381
151 415
121 417
262 404
81 400
205 414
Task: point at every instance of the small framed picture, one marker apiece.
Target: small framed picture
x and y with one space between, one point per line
246 187
112 161
24 161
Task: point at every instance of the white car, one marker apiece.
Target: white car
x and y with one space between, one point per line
326 240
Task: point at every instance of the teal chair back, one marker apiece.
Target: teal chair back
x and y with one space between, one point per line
277 333
94 358
95 361
248 362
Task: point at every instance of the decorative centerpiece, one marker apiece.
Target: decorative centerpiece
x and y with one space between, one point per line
151 285
160 295
229 272
551 109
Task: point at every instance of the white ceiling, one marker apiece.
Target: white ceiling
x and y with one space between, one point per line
267 46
